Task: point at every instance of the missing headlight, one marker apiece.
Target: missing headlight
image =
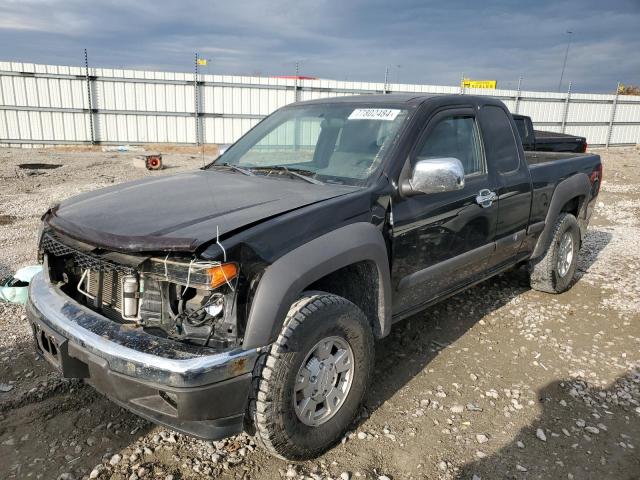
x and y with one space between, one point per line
191 301
196 314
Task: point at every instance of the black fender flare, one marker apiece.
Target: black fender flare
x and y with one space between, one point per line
577 185
285 279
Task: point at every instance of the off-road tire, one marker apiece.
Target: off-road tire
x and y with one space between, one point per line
543 271
271 412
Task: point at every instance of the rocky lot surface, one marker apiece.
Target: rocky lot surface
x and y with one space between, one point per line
498 382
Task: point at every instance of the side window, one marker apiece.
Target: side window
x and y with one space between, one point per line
522 127
458 137
499 142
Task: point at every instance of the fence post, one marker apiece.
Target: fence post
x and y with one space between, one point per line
385 89
296 87
614 106
296 98
566 109
89 102
462 84
196 102
518 94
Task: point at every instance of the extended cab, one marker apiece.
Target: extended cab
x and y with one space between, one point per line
543 141
248 294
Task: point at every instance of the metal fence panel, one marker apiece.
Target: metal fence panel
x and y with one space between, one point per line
49 104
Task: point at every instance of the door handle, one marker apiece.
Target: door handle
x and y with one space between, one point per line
486 197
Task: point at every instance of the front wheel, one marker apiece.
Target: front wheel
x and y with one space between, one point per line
313 379
554 271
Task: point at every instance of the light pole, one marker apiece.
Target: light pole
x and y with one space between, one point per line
566 55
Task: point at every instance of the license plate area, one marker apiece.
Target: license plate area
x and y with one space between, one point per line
49 344
55 349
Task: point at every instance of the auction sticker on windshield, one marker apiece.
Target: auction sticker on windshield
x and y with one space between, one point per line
388 114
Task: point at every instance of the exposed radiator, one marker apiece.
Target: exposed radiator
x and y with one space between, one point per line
111 287
111 292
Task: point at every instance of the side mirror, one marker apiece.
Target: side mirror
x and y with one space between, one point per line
435 175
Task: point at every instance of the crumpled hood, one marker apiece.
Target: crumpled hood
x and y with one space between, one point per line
180 212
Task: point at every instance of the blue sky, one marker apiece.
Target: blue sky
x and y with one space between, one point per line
420 42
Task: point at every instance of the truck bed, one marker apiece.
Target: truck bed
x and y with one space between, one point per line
543 134
548 170
559 142
536 158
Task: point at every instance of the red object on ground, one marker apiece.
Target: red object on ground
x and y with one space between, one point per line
154 162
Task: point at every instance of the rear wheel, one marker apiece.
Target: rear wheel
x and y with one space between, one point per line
554 271
311 383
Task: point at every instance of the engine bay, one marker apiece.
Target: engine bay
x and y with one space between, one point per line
178 298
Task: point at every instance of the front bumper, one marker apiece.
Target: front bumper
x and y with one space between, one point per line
184 387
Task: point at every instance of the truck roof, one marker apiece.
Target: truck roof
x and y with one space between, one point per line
409 99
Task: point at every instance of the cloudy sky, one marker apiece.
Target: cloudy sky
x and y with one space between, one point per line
420 41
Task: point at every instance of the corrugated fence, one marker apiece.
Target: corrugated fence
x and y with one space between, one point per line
55 105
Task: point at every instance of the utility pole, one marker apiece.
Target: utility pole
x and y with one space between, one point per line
566 55
386 80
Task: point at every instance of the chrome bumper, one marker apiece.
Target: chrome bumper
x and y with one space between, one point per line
130 351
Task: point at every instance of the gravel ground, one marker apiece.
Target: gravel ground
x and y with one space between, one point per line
497 382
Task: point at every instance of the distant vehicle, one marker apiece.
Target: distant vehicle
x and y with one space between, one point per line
248 294
542 141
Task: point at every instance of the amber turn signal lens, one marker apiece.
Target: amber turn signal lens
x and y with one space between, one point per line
222 274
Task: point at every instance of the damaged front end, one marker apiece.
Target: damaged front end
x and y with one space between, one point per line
172 296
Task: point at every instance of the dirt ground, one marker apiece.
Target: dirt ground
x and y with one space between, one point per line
498 382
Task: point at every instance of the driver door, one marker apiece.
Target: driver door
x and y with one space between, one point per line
443 240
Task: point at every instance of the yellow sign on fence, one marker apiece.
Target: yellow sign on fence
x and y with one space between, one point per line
468 83
202 61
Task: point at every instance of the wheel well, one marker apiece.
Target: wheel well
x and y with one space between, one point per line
573 206
358 283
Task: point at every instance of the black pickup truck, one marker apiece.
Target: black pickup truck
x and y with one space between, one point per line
543 141
249 294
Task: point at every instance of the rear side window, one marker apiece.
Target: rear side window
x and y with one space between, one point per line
500 144
457 137
521 125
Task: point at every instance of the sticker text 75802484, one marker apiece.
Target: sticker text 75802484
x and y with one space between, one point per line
388 114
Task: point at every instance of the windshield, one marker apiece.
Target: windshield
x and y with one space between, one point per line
332 143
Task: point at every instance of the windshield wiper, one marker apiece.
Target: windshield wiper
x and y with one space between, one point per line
235 168
294 172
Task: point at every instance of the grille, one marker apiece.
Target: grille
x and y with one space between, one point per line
51 245
111 272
